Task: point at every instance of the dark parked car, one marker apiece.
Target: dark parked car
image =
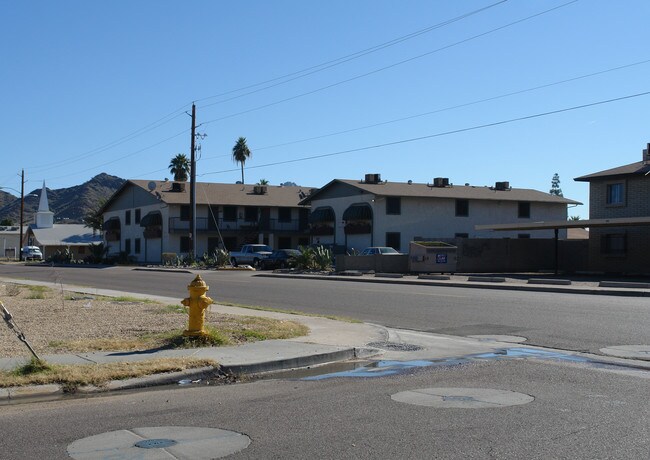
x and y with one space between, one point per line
280 258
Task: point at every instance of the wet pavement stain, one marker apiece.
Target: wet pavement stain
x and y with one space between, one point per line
387 368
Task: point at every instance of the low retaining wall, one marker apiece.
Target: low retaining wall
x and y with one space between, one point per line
488 255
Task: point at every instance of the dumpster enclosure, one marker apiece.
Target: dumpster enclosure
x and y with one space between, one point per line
432 257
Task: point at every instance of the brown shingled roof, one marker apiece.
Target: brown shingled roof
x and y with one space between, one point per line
637 168
226 194
469 192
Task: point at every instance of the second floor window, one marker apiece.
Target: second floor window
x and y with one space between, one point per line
284 214
137 216
615 194
230 213
462 208
393 205
250 213
127 218
185 212
524 210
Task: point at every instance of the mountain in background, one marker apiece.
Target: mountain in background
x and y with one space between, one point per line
69 205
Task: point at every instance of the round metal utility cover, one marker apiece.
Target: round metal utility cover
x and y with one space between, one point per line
499 338
462 398
629 351
161 442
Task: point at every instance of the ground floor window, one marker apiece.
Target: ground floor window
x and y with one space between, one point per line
614 244
185 244
137 245
393 240
127 245
284 242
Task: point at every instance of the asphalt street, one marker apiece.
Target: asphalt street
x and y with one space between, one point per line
575 412
564 321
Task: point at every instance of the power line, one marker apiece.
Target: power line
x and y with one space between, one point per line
291 76
445 133
126 138
381 69
123 157
336 62
444 109
158 123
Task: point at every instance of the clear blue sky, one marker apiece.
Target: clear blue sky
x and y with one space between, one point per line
90 87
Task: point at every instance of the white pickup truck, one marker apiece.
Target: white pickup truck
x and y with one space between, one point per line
250 254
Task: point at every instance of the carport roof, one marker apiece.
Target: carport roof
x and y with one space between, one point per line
588 223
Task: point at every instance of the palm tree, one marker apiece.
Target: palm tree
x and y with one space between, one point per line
180 167
240 153
263 182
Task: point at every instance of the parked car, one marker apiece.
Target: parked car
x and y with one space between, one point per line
250 254
380 250
32 253
280 258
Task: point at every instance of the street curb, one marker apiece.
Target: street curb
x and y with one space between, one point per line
161 270
470 285
301 361
36 392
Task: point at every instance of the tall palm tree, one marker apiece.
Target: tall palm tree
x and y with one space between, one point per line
240 153
180 167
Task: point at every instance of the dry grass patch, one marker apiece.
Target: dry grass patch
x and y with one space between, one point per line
73 376
86 323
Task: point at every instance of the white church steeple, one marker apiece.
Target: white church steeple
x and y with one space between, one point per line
44 217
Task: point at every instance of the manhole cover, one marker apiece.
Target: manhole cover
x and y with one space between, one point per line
629 351
164 442
394 346
155 443
462 398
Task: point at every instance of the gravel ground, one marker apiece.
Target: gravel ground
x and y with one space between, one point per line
67 316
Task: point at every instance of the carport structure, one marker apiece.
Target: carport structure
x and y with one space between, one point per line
564 224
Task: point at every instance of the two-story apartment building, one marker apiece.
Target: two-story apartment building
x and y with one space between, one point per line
371 212
145 219
619 208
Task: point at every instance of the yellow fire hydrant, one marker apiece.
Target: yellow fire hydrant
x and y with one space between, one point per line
197 302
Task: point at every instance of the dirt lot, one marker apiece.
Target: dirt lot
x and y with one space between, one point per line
61 322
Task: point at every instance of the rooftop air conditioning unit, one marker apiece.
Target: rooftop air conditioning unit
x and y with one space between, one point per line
373 178
441 182
178 187
502 186
259 189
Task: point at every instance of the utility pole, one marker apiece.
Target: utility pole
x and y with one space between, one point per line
22 212
193 185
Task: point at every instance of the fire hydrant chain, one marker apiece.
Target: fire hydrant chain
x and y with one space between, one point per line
197 303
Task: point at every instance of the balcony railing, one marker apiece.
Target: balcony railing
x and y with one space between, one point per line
204 224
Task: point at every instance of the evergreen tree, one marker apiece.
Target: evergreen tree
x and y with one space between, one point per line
555 185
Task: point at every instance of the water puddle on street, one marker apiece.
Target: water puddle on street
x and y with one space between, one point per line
383 368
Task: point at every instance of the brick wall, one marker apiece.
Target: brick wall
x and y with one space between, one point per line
636 259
